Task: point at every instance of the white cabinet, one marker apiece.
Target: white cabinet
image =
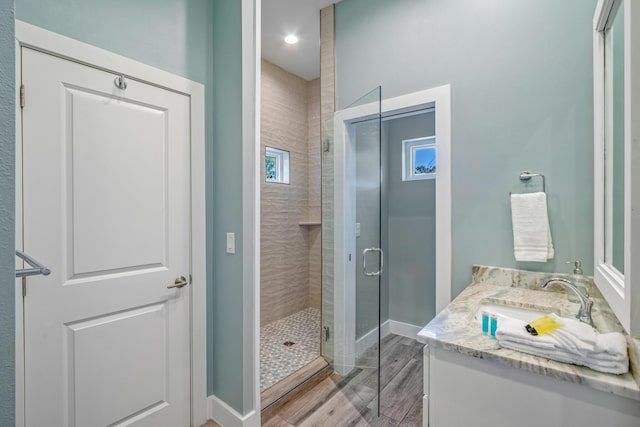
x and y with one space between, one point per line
462 391
425 386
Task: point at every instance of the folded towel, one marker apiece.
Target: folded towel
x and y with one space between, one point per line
575 329
609 366
574 343
575 335
513 330
531 232
613 344
617 368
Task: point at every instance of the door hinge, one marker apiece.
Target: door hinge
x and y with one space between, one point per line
24 287
22 95
327 334
190 279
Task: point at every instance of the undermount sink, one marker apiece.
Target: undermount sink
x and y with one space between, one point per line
520 313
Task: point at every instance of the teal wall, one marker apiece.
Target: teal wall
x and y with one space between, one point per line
173 35
7 213
521 82
183 37
225 300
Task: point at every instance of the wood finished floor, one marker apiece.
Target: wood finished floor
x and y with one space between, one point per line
351 401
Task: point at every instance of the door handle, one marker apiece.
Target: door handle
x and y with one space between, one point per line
364 262
36 267
180 282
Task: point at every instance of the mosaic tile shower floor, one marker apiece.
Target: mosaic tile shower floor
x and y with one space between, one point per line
278 360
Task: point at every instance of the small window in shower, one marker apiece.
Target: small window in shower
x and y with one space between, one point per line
276 165
419 158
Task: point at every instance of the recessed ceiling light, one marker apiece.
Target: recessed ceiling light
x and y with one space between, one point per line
291 39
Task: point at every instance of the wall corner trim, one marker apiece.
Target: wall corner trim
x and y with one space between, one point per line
226 416
251 54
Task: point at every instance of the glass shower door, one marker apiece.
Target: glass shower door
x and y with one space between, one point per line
353 258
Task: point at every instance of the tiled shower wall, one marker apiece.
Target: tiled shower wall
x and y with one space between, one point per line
314 204
290 253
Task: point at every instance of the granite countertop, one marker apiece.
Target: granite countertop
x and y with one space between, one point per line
455 328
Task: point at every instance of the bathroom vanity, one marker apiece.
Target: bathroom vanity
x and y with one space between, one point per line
470 381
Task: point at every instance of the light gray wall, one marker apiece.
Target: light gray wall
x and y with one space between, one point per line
7 213
402 223
411 255
369 215
384 218
521 79
183 37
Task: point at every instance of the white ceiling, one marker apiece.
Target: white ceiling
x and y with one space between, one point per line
299 17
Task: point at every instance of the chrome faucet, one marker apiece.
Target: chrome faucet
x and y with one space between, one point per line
586 303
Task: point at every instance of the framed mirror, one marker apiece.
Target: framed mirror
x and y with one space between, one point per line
616 185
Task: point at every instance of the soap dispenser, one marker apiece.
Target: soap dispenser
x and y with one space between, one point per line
579 279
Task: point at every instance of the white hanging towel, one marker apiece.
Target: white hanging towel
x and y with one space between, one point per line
531 232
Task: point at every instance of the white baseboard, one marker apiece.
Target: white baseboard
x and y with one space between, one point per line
371 338
388 327
404 329
226 416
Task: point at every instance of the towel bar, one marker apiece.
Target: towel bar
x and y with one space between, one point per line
526 176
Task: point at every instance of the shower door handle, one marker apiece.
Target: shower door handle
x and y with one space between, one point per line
364 262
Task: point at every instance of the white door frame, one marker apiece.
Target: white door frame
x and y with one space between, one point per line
344 202
56 44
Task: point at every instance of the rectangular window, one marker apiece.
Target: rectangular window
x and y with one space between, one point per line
276 165
419 158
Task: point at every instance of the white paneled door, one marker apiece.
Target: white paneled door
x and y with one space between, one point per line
106 207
